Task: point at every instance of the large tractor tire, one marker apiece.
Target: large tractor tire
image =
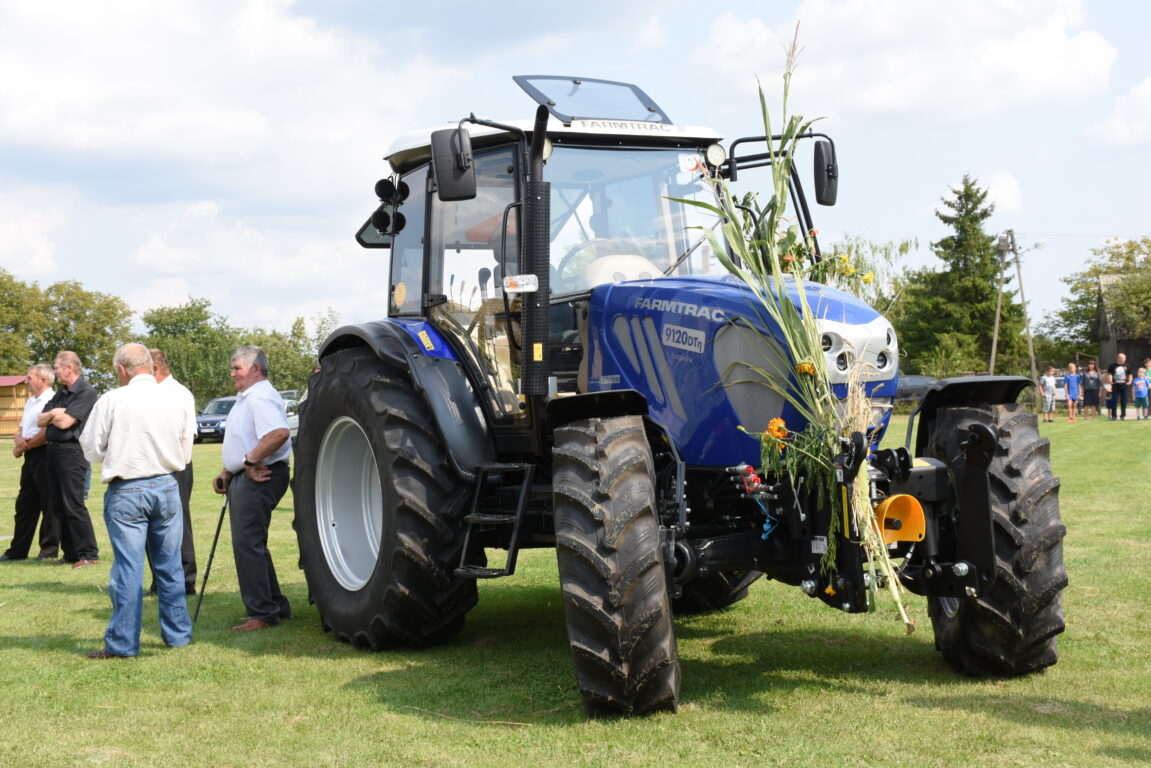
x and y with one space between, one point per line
1011 628
612 575
714 592
379 510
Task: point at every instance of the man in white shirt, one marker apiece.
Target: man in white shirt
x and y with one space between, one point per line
142 433
183 478
257 446
32 499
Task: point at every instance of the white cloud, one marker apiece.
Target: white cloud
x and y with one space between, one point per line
247 94
31 220
161 292
1004 191
240 267
1129 123
954 61
651 35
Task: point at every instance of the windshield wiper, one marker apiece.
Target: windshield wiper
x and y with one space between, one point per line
691 249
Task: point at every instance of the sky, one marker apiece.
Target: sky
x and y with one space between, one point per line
227 149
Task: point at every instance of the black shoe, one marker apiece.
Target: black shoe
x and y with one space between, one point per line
7 558
189 590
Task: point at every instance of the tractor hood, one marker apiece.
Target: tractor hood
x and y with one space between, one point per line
674 335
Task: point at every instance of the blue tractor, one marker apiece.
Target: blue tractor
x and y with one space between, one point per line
565 363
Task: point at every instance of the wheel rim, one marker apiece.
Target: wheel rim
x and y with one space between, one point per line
349 503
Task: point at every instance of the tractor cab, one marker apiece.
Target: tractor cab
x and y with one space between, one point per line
611 185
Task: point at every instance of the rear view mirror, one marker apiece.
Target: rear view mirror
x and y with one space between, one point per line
826 173
452 166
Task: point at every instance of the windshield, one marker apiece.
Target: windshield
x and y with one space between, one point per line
218 407
615 215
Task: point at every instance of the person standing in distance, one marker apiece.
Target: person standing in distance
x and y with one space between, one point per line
1120 376
65 416
32 498
165 379
257 446
142 432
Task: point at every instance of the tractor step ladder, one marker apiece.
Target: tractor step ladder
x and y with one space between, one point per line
487 517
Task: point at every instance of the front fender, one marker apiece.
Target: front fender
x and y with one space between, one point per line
990 390
416 348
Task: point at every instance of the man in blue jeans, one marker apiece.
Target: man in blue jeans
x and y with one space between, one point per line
143 434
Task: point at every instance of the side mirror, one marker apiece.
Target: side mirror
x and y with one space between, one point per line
452 165
826 173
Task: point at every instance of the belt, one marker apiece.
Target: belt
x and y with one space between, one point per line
119 479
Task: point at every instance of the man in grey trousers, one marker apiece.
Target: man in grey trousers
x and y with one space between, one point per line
257 446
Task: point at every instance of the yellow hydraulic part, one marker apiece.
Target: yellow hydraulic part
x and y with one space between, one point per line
901 518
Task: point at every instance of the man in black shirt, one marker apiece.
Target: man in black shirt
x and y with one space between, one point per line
65 416
1120 378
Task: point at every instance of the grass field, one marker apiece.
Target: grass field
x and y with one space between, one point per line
779 679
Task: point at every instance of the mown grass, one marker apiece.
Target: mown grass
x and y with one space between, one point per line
778 679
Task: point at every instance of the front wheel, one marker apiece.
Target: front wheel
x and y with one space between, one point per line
1011 628
611 569
714 592
379 511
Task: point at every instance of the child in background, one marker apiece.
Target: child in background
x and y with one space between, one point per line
1071 382
1047 387
1139 386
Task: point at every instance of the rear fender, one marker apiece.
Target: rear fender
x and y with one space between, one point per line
418 349
963 390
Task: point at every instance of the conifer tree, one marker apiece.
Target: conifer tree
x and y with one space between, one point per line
946 317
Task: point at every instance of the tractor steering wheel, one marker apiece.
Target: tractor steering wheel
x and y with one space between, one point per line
571 270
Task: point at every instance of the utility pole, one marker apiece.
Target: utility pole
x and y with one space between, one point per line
1003 242
1026 315
1007 243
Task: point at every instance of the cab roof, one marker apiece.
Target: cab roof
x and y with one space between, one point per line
584 110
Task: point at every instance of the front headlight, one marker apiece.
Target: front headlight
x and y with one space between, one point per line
871 347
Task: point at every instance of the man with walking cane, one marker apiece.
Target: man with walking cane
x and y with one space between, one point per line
257 447
143 434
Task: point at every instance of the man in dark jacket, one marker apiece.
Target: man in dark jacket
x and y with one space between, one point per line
65 416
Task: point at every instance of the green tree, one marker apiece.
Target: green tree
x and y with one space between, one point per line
292 355
958 302
199 345
89 323
1128 300
21 316
872 271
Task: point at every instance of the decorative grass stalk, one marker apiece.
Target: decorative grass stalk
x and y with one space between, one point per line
764 248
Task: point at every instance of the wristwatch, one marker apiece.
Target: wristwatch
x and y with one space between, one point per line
248 463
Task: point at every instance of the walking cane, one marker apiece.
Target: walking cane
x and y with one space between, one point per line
212 554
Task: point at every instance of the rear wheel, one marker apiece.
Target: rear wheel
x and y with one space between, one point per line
378 508
1011 628
612 574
